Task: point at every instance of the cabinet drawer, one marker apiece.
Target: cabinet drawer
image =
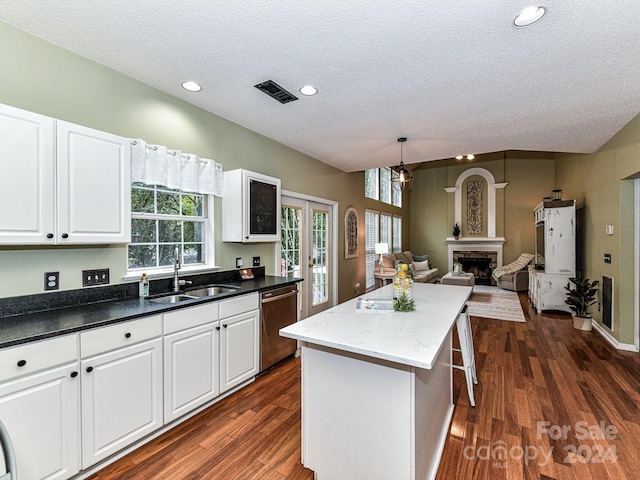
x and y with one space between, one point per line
238 305
37 356
190 317
119 335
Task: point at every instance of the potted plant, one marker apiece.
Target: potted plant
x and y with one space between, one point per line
456 231
580 298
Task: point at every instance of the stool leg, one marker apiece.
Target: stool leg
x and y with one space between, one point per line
466 349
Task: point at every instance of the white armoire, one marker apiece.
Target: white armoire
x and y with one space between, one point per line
555 255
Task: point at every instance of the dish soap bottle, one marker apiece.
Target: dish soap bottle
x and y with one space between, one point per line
144 286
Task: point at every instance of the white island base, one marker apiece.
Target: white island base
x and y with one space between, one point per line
368 418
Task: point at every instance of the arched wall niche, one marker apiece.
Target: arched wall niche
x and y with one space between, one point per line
482 244
492 186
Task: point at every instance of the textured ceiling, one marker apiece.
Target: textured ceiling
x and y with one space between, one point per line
455 77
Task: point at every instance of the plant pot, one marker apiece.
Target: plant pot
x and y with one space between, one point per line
582 323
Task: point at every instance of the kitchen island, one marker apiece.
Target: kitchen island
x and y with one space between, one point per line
377 387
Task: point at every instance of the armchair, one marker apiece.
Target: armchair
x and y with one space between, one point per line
514 276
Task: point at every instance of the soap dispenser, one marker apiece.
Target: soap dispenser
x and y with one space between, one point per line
144 286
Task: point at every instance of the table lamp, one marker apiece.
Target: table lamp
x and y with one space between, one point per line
381 249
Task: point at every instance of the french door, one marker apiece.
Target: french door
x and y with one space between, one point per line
307 251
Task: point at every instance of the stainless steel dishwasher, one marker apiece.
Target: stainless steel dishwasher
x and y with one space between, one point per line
279 309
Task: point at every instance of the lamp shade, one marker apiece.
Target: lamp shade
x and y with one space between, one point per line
382 248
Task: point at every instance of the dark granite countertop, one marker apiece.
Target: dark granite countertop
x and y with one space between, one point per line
84 311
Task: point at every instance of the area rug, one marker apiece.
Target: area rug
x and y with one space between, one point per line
496 303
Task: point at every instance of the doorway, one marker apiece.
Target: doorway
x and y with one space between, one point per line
636 263
308 249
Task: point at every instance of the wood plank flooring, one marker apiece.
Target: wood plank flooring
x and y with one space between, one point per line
552 403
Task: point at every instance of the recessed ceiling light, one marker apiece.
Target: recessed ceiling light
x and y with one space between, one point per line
308 90
459 157
529 16
470 157
191 86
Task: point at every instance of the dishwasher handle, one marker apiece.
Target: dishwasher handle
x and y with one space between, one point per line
275 298
9 457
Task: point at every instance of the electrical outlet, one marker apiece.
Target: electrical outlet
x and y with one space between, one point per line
52 280
256 261
238 262
95 277
356 288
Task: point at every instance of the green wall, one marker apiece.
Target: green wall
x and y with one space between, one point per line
602 184
530 177
41 77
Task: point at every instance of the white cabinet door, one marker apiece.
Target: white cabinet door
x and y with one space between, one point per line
239 349
191 366
94 186
62 183
28 175
42 415
251 207
560 240
121 399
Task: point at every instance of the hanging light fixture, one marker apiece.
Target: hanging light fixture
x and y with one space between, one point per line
402 178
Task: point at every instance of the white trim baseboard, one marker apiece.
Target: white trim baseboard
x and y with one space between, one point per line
627 347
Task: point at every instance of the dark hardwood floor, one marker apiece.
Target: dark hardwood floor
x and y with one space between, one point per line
552 403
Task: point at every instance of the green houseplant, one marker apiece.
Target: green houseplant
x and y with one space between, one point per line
580 298
456 231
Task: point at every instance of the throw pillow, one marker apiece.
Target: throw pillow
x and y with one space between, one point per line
420 266
420 258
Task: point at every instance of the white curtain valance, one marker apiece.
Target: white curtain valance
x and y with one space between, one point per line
157 165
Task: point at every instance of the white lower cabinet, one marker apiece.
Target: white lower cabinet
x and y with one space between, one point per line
191 359
121 388
546 290
41 410
239 349
72 401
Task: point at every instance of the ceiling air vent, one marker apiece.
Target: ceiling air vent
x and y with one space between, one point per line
274 90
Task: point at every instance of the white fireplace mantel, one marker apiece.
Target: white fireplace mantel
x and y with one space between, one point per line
475 244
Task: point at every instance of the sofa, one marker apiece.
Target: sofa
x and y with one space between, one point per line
514 276
421 271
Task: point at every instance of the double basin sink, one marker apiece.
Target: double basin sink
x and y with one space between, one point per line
209 291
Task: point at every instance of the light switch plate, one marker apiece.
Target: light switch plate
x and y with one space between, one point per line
95 277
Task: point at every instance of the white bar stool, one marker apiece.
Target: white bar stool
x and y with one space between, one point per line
466 349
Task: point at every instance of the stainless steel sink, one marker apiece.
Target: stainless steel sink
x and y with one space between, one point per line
172 298
212 290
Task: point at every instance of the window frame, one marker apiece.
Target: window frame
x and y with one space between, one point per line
392 195
208 243
370 255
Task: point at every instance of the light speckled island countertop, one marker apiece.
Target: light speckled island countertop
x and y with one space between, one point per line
410 338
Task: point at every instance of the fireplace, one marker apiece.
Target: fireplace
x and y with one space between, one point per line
480 267
479 262
476 247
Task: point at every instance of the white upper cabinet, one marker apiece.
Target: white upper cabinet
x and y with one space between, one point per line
250 207
62 183
94 186
27 195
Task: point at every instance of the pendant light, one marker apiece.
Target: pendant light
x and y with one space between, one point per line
402 178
